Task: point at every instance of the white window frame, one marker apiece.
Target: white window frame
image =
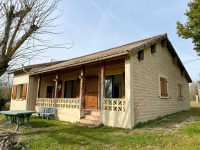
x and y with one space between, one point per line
159 92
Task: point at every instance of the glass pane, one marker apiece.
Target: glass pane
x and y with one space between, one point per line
74 89
117 86
70 89
108 87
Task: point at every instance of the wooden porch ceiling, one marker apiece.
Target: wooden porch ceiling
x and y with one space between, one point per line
114 61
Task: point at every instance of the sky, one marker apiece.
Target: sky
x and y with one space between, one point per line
96 25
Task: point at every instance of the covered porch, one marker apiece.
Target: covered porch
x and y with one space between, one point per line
81 92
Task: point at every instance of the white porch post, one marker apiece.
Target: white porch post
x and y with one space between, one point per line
82 87
39 87
102 85
56 88
129 107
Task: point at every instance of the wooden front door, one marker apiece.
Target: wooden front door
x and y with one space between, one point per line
91 93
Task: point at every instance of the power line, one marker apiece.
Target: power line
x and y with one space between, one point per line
194 69
189 61
185 50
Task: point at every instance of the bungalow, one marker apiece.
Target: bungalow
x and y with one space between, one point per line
118 87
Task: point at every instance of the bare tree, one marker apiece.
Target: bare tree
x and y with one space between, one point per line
193 91
22 23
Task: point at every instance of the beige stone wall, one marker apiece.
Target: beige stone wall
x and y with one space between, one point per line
32 93
114 119
147 103
66 114
19 104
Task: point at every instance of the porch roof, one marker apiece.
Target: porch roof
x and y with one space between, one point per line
34 67
123 50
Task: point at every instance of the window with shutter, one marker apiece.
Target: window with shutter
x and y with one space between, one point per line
180 90
24 90
14 92
163 87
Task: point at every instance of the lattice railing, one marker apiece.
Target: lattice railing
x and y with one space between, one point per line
59 102
114 104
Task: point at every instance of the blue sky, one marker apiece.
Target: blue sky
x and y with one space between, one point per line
97 25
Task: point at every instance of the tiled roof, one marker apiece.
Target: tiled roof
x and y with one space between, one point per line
35 66
102 55
123 50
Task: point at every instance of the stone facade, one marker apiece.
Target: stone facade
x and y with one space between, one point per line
147 103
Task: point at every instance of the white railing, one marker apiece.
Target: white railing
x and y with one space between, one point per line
114 104
59 102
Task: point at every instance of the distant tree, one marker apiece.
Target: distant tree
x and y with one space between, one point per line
5 90
193 91
22 23
191 29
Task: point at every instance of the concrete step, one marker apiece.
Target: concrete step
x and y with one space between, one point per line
90 117
95 113
86 121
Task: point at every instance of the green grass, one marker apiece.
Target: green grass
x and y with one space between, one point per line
177 131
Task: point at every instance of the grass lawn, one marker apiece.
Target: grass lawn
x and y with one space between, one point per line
177 131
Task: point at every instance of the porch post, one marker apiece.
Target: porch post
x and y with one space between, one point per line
129 105
82 79
56 88
102 84
39 86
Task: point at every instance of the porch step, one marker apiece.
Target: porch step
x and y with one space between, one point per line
93 122
92 112
91 117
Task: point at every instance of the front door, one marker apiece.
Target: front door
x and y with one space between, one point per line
91 93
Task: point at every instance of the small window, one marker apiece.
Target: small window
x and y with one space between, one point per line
180 90
163 87
19 91
153 48
141 55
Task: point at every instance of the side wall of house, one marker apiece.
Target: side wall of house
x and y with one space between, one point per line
32 93
19 104
147 103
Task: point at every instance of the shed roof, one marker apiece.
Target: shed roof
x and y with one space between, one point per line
123 50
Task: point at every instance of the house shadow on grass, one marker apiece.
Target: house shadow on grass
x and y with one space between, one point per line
70 134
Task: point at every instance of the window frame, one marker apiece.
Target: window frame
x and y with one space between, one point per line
159 82
74 84
122 84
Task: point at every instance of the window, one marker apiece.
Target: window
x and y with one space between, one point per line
153 48
72 89
19 91
50 92
114 86
163 86
141 55
180 90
